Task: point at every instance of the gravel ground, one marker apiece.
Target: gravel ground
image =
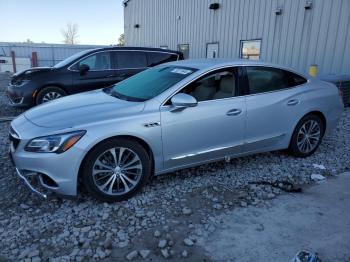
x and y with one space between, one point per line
165 220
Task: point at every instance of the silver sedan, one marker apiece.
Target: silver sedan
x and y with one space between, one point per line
170 117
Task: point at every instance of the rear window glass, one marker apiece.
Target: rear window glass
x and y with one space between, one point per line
266 79
131 59
155 58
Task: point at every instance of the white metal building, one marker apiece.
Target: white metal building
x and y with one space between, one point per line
296 33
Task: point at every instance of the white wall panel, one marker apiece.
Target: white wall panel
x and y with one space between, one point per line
296 38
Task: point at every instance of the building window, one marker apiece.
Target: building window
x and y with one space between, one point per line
250 49
185 49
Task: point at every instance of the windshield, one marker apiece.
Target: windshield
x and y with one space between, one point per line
150 83
71 58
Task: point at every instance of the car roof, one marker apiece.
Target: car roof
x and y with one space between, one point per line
202 64
134 48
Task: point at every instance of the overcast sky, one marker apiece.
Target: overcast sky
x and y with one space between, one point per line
99 21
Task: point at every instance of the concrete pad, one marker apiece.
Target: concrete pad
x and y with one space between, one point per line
317 219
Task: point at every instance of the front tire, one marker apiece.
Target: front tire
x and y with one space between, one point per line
307 136
116 170
48 94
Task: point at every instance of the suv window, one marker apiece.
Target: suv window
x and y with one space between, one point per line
266 79
215 85
131 59
155 58
98 61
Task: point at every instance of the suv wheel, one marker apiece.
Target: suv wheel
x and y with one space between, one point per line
49 94
307 136
116 170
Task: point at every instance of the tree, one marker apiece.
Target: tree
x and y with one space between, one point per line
121 40
70 34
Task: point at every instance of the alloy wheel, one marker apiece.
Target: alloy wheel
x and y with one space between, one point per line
51 96
117 171
308 136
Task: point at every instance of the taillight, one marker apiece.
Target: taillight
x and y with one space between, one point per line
340 92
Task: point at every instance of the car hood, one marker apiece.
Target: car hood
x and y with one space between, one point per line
31 71
80 109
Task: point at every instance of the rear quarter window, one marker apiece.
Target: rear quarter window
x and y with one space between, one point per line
155 58
295 80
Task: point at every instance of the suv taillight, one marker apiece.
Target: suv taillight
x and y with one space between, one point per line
341 93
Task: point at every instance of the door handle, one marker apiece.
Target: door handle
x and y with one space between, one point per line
234 112
293 102
109 76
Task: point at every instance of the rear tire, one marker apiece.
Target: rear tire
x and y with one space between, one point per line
115 170
48 94
307 136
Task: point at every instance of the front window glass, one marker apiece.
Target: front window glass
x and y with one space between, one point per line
150 83
217 85
71 59
98 61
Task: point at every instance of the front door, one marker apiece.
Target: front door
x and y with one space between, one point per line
211 130
101 72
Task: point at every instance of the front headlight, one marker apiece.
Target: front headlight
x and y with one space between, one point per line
19 82
55 143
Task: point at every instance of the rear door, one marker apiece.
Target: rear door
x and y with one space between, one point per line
274 103
130 63
101 73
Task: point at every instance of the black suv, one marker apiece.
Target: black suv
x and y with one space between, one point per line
84 71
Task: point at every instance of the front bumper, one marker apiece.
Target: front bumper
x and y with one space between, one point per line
30 183
44 172
21 96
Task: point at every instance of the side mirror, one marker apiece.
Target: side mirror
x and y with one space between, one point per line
83 69
181 101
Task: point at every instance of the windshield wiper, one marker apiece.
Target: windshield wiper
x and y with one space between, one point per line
126 98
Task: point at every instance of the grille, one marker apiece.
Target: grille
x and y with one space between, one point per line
14 138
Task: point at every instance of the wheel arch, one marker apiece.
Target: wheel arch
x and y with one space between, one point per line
39 89
139 140
313 112
321 116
